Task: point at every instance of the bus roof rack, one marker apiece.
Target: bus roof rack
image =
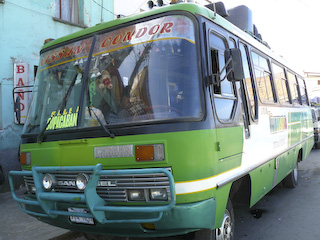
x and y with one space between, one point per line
240 16
219 8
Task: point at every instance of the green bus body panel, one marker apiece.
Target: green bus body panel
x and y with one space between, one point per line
262 181
192 155
229 149
222 195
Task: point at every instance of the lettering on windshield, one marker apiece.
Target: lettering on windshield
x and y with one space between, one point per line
142 32
71 51
65 119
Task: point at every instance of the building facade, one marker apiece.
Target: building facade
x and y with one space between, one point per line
24 25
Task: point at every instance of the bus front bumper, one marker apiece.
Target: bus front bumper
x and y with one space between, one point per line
181 219
88 212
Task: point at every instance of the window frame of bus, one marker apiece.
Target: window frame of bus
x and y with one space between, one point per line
268 71
243 93
274 63
301 80
254 114
221 95
296 87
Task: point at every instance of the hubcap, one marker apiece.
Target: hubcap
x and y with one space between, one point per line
225 231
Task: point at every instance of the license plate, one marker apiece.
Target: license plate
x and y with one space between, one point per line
83 220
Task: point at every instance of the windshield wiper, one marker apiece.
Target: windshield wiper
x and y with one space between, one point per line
61 106
100 121
65 98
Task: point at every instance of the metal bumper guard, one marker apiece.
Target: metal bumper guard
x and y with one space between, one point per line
97 206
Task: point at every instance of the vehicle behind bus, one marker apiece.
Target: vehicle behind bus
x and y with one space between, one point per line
154 124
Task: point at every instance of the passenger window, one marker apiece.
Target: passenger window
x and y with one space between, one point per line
281 83
263 78
293 88
224 94
303 91
249 81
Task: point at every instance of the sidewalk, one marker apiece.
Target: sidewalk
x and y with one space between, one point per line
17 225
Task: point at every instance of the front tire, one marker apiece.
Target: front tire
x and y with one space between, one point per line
225 232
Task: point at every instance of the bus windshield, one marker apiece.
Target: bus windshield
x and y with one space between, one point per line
139 73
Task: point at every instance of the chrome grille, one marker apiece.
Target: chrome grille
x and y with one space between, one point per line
111 188
124 182
70 179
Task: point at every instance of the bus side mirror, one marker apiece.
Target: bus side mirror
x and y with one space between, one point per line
234 65
17 109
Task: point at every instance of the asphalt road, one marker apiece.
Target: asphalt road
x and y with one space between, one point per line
282 214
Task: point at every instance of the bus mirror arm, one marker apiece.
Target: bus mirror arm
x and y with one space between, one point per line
233 68
233 65
215 77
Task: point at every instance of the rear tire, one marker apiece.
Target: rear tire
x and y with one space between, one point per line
291 181
225 232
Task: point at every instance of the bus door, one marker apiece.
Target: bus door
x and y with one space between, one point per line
229 132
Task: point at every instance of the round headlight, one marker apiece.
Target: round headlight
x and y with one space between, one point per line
48 181
82 181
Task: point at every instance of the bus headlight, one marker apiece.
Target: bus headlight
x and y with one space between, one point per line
82 181
158 194
136 195
48 182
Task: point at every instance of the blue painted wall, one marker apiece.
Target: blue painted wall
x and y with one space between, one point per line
24 25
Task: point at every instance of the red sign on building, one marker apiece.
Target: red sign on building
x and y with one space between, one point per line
21 79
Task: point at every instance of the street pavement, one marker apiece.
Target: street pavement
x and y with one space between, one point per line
282 214
17 225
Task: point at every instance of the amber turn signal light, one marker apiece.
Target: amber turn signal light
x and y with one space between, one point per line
152 152
25 158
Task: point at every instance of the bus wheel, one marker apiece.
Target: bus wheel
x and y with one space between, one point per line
291 181
225 232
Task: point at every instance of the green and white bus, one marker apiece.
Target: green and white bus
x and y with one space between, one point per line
153 124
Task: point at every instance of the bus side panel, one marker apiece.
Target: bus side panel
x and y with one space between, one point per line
284 164
222 195
262 181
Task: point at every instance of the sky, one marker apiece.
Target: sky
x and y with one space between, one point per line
290 27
